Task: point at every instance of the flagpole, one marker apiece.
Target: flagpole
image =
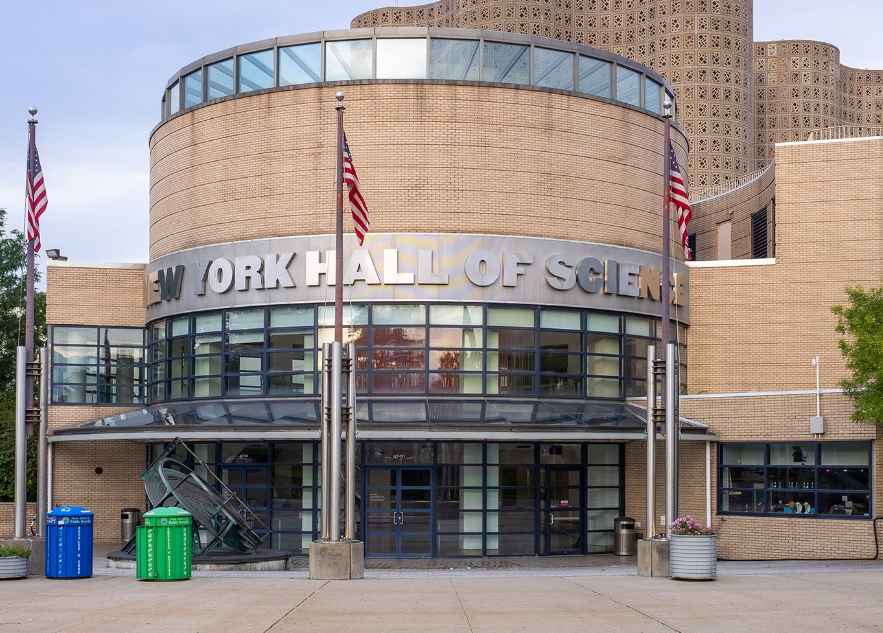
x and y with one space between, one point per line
338 239
29 299
669 392
666 234
334 447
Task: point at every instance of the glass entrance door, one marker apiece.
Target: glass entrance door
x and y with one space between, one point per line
251 484
561 510
398 511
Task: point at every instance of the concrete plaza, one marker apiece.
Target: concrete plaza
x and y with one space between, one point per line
557 595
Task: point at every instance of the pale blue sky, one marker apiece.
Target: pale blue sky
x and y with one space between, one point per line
96 71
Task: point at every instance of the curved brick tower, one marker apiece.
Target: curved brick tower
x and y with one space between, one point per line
704 48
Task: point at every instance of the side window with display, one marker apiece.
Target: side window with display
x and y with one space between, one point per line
808 479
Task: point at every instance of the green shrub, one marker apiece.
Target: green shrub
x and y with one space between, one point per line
22 552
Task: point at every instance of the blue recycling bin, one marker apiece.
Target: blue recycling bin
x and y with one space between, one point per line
69 542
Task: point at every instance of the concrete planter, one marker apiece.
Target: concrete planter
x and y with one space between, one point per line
694 556
13 566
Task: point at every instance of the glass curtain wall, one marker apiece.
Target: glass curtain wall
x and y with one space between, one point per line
433 498
407 349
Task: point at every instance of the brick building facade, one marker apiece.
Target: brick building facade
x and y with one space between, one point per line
530 384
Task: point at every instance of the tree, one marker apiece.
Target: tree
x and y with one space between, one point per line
861 323
12 334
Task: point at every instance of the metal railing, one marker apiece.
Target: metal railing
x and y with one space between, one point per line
844 131
701 193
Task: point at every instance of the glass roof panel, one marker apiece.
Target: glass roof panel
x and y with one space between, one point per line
376 413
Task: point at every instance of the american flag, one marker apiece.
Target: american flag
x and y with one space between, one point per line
357 202
37 200
678 197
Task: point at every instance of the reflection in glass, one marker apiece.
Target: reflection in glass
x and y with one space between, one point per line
651 96
845 453
628 86
506 63
594 76
455 360
510 317
510 384
74 355
256 71
403 314
208 323
453 59
300 64
74 336
795 454
455 337
602 476
455 315
602 453
553 69
175 98
602 365
560 319
401 58
287 384
245 319
736 454
220 79
600 322
352 315
193 89
348 60
291 317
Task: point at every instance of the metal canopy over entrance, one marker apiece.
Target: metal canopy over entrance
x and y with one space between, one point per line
381 418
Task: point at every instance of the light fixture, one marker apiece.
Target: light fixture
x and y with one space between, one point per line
55 255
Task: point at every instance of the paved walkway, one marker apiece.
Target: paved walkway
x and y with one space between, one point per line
544 595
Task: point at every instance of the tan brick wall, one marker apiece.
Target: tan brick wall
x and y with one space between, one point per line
758 327
94 295
75 483
784 418
691 480
781 418
118 486
735 207
68 416
436 158
704 50
7 518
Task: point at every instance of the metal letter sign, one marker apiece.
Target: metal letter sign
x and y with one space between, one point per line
415 267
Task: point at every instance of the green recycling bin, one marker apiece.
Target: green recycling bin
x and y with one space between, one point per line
162 545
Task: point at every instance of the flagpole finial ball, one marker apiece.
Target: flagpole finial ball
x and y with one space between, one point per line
666 108
339 95
32 110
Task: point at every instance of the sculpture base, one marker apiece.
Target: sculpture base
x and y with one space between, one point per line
654 558
343 560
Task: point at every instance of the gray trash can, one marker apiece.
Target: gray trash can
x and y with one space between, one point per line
130 518
624 543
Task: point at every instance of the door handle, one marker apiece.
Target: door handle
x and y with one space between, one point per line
398 518
551 519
